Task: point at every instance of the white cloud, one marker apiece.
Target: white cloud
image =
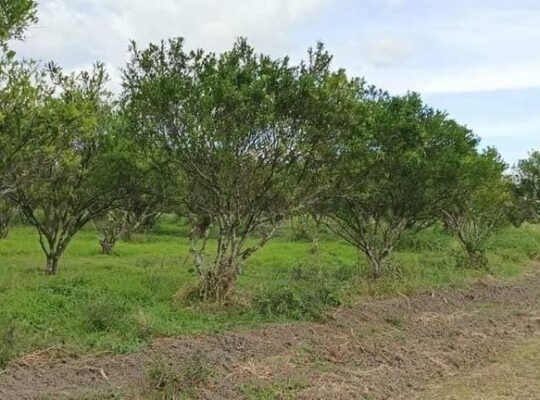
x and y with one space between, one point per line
429 46
77 32
389 51
456 78
435 47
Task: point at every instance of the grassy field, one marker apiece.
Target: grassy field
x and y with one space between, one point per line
118 303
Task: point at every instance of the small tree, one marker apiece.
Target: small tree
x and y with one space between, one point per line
307 226
244 130
77 177
478 204
526 189
110 227
151 197
387 173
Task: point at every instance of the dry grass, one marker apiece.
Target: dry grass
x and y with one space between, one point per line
514 375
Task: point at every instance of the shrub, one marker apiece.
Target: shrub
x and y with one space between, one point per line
309 298
103 314
168 380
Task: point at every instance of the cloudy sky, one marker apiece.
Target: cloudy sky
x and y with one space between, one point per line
477 59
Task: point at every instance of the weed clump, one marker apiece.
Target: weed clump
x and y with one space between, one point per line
307 293
103 314
167 380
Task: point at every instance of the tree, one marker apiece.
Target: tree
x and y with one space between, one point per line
110 226
388 173
244 132
306 226
478 204
137 212
150 198
78 175
526 189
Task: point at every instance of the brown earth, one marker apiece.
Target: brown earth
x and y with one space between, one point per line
398 348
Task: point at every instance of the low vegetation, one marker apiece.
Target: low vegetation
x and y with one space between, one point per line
167 380
120 302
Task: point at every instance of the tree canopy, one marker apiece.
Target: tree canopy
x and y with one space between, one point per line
388 172
15 17
78 175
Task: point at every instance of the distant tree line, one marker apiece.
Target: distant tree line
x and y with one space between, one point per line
239 142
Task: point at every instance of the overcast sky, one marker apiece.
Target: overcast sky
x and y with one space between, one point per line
477 59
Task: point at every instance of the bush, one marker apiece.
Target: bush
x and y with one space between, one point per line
297 303
308 293
168 380
103 314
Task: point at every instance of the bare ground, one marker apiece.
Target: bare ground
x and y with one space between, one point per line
513 375
399 348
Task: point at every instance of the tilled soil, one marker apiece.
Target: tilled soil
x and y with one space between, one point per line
380 349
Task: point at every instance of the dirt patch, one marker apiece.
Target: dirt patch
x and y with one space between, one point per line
384 349
513 375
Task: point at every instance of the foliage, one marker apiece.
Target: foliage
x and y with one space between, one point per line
388 173
298 302
526 189
433 238
477 204
308 292
110 226
21 87
78 175
240 128
15 17
18 91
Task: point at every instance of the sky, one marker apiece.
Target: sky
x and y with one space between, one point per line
477 59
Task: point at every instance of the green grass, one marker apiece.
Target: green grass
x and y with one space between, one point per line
276 391
120 302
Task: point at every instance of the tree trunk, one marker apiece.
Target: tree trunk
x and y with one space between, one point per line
377 268
316 237
107 246
315 245
218 283
476 258
378 262
4 230
52 263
